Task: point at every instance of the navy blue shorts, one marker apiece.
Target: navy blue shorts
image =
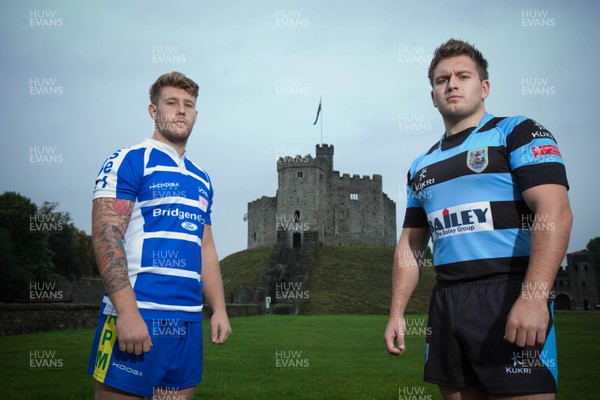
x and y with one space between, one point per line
174 362
466 346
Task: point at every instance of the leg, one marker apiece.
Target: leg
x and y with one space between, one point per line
103 392
184 394
468 393
542 396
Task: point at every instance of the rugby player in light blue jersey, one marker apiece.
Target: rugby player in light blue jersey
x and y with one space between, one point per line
492 196
152 236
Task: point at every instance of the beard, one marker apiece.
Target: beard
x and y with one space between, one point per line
170 130
458 114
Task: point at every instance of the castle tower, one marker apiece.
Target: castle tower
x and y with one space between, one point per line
311 196
303 184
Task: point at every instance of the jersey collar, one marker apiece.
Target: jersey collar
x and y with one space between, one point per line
165 148
484 120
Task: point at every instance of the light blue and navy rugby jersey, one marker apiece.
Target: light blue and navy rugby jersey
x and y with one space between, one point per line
467 190
173 199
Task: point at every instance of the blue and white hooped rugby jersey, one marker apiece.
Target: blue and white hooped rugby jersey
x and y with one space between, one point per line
173 199
467 190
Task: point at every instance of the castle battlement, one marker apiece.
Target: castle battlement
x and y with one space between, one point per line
357 177
324 149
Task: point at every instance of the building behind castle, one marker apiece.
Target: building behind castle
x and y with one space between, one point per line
312 197
576 285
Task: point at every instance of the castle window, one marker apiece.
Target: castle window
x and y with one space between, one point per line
300 174
353 196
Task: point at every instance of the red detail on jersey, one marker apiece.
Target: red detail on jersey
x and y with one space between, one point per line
544 150
445 212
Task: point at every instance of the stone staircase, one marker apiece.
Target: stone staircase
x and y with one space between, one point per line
285 279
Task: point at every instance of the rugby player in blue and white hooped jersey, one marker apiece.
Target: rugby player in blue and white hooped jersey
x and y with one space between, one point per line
152 236
492 195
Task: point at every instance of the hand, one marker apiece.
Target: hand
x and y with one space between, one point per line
394 332
527 322
220 328
132 333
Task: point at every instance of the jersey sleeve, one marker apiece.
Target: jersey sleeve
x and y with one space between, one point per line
534 156
415 216
211 193
119 177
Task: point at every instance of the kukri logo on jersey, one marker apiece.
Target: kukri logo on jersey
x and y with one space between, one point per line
464 218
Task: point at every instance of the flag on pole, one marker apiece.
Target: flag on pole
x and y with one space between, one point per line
318 112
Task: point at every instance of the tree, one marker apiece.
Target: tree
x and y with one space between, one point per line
63 242
72 248
593 247
26 257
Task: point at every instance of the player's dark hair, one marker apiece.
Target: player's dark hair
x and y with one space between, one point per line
453 48
174 79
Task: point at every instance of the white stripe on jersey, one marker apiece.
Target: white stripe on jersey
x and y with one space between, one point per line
110 310
159 201
169 307
173 235
170 271
148 171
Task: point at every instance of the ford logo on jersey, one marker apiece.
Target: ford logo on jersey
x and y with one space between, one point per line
189 226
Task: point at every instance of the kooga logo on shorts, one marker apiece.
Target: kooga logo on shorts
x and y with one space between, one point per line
464 218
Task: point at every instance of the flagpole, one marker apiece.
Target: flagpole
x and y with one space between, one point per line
319 112
321 125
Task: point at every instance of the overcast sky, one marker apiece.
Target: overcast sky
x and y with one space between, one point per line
76 78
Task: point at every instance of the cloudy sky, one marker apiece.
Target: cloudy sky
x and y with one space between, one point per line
76 77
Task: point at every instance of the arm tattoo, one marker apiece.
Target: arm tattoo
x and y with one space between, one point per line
110 218
118 235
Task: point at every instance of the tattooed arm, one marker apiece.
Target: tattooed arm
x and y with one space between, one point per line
110 218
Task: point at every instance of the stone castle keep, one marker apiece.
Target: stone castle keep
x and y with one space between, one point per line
337 210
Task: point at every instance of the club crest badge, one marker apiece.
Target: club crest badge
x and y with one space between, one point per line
477 159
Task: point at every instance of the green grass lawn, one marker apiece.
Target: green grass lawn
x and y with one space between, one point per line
282 357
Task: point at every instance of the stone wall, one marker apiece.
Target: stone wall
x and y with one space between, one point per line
262 222
22 318
38 317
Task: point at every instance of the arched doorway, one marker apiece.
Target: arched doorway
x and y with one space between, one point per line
296 240
562 302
